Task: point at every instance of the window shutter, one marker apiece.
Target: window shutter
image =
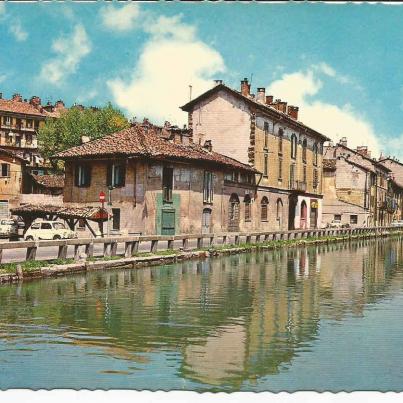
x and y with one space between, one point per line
122 178
77 175
109 174
87 175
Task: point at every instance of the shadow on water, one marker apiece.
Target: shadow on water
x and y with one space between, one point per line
218 324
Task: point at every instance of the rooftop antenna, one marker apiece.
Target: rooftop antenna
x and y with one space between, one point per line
190 92
251 77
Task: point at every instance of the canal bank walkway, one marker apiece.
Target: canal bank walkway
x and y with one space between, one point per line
173 249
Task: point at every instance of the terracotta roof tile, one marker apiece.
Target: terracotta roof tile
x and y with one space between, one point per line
145 142
49 181
9 105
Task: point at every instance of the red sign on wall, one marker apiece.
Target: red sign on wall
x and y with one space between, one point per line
101 197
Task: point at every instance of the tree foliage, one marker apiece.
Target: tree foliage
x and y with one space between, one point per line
62 133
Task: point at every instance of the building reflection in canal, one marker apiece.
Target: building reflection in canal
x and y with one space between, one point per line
232 320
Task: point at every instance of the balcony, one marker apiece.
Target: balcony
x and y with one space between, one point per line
298 186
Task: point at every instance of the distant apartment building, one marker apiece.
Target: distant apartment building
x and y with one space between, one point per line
157 182
358 189
266 134
11 180
20 121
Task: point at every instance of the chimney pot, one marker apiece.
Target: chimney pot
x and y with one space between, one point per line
261 95
218 82
245 87
17 97
208 145
269 99
343 141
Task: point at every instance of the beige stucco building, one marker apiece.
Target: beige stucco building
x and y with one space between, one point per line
266 134
358 189
154 184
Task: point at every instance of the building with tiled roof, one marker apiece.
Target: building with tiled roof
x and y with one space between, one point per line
20 120
358 189
267 134
153 183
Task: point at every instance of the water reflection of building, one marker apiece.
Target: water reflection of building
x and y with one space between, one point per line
233 319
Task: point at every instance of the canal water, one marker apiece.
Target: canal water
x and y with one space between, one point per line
328 317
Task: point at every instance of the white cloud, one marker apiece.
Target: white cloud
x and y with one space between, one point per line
172 59
18 31
334 121
70 50
3 77
123 18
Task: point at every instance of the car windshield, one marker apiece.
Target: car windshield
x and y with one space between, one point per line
58 225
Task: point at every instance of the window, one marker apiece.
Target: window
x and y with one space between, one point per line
304 174
116 219
263 208
7 120
167 183
83 175
353 219
228 176
337 217
81 223
315 154
5 170
266 165
248 205
315 178
208 190
28 138
266 134
9 138
116 174
292 176
280 169
29 123
46 225
279 211
293 146
59 225
280 141
35 226
304 146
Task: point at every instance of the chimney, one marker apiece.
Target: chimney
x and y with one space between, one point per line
282 106
217 82
363 150
35 101
208 145
293 111
17 98
245 87
261 95
1 95
59 104
85 139
269 99
343 141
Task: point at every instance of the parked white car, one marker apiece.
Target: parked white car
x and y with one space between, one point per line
49 230
397 223
8 228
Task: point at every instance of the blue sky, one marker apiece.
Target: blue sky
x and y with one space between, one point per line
340 63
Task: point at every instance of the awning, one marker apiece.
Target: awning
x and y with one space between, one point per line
97 214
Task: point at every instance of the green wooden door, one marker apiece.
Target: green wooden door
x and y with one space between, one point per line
168 222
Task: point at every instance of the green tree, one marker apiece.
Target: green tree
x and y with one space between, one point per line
59 134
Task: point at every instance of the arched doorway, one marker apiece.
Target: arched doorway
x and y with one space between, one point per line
206 221
303 216
279 213
233 213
